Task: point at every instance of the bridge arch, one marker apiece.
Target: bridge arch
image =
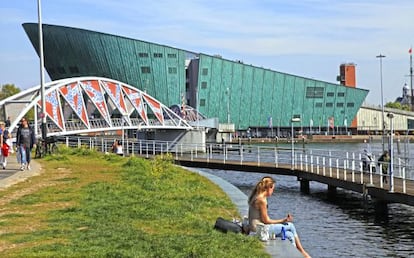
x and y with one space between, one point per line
91 104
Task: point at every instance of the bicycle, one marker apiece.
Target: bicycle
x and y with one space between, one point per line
47 146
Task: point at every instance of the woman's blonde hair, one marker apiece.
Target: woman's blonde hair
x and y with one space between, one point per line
262 186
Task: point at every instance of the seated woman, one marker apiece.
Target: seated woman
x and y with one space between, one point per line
258 214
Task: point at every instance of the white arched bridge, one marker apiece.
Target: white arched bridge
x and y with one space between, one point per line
93 104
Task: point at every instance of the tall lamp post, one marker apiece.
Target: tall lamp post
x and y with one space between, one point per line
294 119
391 151
42 75
381 56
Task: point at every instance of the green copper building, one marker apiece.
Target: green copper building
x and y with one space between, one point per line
245 95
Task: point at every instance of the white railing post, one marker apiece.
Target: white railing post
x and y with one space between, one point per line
404 180
311 163
153 148
196 155
353 175
79 143
301 162
381 175
345 171
317 165
330 163
147 154
353 161
276 163
337 168
191 154
370 174
323 165
67 141
306 162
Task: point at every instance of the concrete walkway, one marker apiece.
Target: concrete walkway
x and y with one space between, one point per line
12 174
276 248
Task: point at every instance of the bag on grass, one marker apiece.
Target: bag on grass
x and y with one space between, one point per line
227 226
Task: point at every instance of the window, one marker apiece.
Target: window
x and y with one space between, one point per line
172 55
314 92
330 94
318 104
340 104
145 69
205 71
329 104
172 70
157 55
143 54
202 102
341 94
203 85
350 104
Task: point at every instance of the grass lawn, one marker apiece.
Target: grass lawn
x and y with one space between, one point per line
87 204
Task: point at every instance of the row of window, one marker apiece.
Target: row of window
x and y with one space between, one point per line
329 104
339 104
157 55
147 69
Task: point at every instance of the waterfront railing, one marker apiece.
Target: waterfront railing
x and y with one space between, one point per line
333 163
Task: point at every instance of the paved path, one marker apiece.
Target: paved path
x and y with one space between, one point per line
12 174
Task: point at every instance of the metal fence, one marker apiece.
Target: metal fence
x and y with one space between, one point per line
325 162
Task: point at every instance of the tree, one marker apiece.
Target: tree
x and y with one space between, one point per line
8 90
397 105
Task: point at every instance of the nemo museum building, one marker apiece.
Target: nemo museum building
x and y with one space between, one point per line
249 97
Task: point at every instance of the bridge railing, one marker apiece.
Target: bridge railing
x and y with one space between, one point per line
333 163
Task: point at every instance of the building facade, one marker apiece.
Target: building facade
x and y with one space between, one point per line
244 95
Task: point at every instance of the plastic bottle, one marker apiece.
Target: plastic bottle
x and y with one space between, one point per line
283 233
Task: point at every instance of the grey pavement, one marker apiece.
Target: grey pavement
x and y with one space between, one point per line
276 248
12 174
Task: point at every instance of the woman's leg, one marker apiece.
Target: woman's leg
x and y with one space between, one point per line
28 157
293 236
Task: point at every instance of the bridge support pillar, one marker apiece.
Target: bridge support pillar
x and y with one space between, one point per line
331 191
304 185
381 208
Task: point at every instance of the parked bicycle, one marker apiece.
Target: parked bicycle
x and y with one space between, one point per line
47 146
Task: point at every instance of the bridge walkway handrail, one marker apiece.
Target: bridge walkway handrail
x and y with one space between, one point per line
333 163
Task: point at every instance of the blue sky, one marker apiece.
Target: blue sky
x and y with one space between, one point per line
308 38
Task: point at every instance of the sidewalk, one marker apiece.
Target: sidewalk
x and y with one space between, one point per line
12 174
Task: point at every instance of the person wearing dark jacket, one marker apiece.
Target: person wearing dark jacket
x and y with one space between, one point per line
25 141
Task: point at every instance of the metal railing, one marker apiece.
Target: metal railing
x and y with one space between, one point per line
332 163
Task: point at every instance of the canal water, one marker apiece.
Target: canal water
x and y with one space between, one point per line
339 227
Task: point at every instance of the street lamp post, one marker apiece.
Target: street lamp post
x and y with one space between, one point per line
391 151
381 56
295 119
42 74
